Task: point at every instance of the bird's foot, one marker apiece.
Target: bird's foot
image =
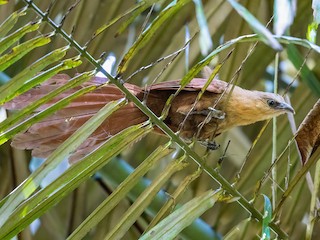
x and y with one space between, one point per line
211 145
210 113
218 114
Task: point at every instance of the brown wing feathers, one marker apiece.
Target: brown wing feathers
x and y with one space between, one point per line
47 135
195 84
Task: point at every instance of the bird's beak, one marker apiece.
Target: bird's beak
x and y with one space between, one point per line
286 107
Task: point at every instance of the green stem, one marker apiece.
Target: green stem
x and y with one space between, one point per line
274 137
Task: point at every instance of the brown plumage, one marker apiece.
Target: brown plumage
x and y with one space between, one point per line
200 120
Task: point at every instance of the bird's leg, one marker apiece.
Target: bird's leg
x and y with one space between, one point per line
210 112
218 114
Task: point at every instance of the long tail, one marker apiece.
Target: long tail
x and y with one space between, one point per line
45 136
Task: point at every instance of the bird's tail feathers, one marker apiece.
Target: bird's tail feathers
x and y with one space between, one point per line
45 136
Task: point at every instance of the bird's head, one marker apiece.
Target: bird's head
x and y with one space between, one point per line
252 106
272 104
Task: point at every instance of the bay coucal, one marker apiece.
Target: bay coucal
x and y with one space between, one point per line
221 107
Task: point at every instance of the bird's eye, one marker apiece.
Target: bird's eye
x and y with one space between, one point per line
271 103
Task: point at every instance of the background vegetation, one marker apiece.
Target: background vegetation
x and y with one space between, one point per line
234 198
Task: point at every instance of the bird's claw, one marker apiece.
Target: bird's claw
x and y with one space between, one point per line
216 113
211 145
213 113
210 113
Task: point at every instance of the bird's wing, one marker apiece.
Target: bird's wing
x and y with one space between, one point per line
196 84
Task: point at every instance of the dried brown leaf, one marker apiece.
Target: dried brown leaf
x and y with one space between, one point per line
308 134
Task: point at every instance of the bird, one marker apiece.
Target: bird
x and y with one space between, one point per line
222 106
